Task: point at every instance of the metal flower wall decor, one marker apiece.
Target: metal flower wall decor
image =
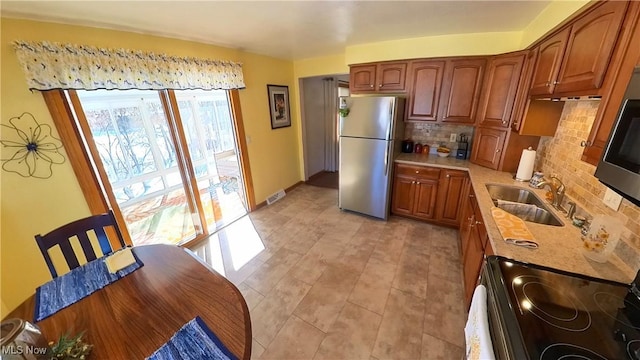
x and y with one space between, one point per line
29 149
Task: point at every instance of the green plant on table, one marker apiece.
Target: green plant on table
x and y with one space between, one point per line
68 348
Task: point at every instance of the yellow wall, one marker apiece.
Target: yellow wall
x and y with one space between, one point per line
435 46
548 18
32 206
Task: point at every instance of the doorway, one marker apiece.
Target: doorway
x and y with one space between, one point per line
320 121
172 166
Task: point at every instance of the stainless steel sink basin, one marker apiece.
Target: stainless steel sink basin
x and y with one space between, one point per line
512 193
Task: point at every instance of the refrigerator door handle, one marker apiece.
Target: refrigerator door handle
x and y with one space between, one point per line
390 124
386 158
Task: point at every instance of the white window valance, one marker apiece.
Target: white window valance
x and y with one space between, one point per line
50 66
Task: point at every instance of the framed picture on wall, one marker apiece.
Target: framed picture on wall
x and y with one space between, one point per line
279 106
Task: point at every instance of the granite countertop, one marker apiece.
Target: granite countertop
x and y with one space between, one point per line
560 246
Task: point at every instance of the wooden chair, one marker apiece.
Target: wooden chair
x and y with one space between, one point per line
61 236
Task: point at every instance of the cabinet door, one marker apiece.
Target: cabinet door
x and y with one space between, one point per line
472 264
466 220
403 195
461 90
499 90
548 64
391 76
453 186
362 78
590 47
487 147
425 82
426 196
522 97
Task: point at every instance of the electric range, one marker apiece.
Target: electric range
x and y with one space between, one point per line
537 312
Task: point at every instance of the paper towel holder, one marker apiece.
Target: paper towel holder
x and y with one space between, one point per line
526 166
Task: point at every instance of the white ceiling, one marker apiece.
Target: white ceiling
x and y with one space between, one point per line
286 29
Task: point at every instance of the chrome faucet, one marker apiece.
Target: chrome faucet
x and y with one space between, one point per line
556 191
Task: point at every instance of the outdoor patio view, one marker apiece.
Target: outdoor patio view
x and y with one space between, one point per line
146 171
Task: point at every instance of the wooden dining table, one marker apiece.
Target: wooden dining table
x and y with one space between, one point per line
134 316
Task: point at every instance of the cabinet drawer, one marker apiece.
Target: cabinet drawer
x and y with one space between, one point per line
418 171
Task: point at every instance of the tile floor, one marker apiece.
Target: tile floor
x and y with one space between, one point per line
326 284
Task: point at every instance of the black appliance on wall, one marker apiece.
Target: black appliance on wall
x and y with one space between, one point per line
536 312
619 167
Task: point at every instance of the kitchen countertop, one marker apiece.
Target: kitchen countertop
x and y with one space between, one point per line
559 246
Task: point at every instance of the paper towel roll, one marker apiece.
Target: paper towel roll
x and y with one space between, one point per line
525 168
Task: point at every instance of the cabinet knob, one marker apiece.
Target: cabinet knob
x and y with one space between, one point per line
478 222
448 176
413 182
418 183
556 82
371 86
380 86
504 122
471 196
497 150
585 143
417 171
548 84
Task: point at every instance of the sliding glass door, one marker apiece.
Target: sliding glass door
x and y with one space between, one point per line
161 160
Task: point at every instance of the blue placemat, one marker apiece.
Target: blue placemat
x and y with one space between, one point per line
193 341
78 283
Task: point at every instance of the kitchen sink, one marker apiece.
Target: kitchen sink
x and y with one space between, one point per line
543 214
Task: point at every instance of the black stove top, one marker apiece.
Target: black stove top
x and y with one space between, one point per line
560 315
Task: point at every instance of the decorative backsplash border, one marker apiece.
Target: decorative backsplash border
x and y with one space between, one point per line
430 134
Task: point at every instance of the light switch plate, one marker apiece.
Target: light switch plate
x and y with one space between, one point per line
612 199
453 137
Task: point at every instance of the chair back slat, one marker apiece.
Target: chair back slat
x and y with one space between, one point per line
103 240
69 254
85 243
79 228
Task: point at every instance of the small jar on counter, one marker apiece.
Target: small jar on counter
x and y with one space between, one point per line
417 148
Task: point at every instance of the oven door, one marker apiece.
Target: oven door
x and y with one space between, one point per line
503 325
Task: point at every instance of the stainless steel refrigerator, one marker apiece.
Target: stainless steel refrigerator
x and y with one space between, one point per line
370 137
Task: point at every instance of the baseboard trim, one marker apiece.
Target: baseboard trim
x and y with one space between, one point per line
264 203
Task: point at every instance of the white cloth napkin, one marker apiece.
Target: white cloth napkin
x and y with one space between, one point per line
476 332
119 260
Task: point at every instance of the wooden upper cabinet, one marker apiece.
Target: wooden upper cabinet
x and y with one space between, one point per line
380 77
362 78
487 147
589 48
548 63
391 76
461 90
425 82
625 58
499 90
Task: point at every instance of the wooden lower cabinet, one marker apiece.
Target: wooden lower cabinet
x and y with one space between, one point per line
428 193
474 244
453 186
415 191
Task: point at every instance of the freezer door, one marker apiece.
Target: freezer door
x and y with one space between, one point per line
369 117
365 173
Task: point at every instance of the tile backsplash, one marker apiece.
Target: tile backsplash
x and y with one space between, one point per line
560 156
427 133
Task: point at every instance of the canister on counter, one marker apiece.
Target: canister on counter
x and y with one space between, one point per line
536 179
